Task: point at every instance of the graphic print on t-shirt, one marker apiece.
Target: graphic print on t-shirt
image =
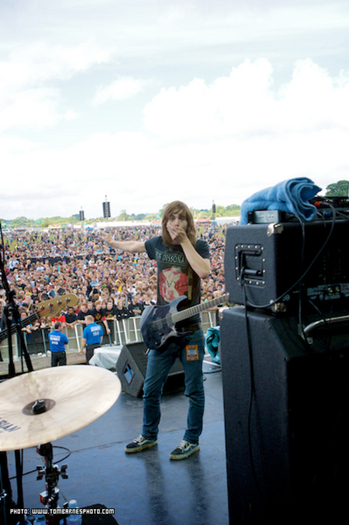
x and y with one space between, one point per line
172 284
172 281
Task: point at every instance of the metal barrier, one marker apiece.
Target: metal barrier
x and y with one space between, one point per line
122 332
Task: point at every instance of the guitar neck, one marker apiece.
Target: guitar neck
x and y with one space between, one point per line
49 308
198 308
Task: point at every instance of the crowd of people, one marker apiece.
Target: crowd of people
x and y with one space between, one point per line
109 284
114 275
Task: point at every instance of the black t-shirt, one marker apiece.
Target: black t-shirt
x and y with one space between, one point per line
134 307
70 318
109 313
122 313
98 314
82 315
175 276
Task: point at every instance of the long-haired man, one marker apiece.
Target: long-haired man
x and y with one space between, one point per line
182 261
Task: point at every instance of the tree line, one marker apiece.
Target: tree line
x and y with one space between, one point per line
340 188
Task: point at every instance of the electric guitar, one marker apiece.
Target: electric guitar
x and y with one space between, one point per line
49 308
158 322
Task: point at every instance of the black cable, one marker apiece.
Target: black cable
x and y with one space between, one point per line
252 396
300 297
317 309
346 217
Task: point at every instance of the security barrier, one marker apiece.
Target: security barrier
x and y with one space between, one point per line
122 332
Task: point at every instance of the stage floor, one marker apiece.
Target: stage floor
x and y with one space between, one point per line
145 488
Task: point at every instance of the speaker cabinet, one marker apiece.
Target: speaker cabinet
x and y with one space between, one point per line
286 410
131 369
271 258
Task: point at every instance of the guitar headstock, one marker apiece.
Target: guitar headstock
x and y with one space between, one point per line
52 307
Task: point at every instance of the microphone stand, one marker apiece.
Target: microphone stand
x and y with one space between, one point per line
12 317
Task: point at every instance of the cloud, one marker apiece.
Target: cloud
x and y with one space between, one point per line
227 106
39 62
27 97
121 89
313 100
32 108
245 104
222 140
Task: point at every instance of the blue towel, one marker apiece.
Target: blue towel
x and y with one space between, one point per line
290 195
213 337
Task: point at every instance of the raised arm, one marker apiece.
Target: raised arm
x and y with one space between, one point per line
126 246
200 265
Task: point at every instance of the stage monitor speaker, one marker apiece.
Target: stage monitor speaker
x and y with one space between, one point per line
131 368
286 430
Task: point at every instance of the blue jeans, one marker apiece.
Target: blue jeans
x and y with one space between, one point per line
158 368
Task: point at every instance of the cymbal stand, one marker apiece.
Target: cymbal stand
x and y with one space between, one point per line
11 315
50 496
3 495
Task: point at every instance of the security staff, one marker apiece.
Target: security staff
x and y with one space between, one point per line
92 337
57 345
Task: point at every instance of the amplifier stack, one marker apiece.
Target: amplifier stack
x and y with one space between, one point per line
285 366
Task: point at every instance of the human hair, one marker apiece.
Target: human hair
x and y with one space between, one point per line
178 207
58 324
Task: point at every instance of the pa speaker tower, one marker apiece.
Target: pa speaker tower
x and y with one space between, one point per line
106 210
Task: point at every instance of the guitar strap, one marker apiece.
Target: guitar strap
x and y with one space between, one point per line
190 283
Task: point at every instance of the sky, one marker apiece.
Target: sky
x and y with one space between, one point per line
142 102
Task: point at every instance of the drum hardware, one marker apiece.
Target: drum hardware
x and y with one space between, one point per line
51 472
63 400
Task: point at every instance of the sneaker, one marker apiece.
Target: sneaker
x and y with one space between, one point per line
184 450
140 444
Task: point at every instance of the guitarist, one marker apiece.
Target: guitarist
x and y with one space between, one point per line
182 260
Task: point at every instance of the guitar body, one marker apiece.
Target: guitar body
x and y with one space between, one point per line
158 323
157 326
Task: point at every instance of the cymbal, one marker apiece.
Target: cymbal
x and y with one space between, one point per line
41 406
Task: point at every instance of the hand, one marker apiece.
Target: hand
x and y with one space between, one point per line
177 234
108 238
